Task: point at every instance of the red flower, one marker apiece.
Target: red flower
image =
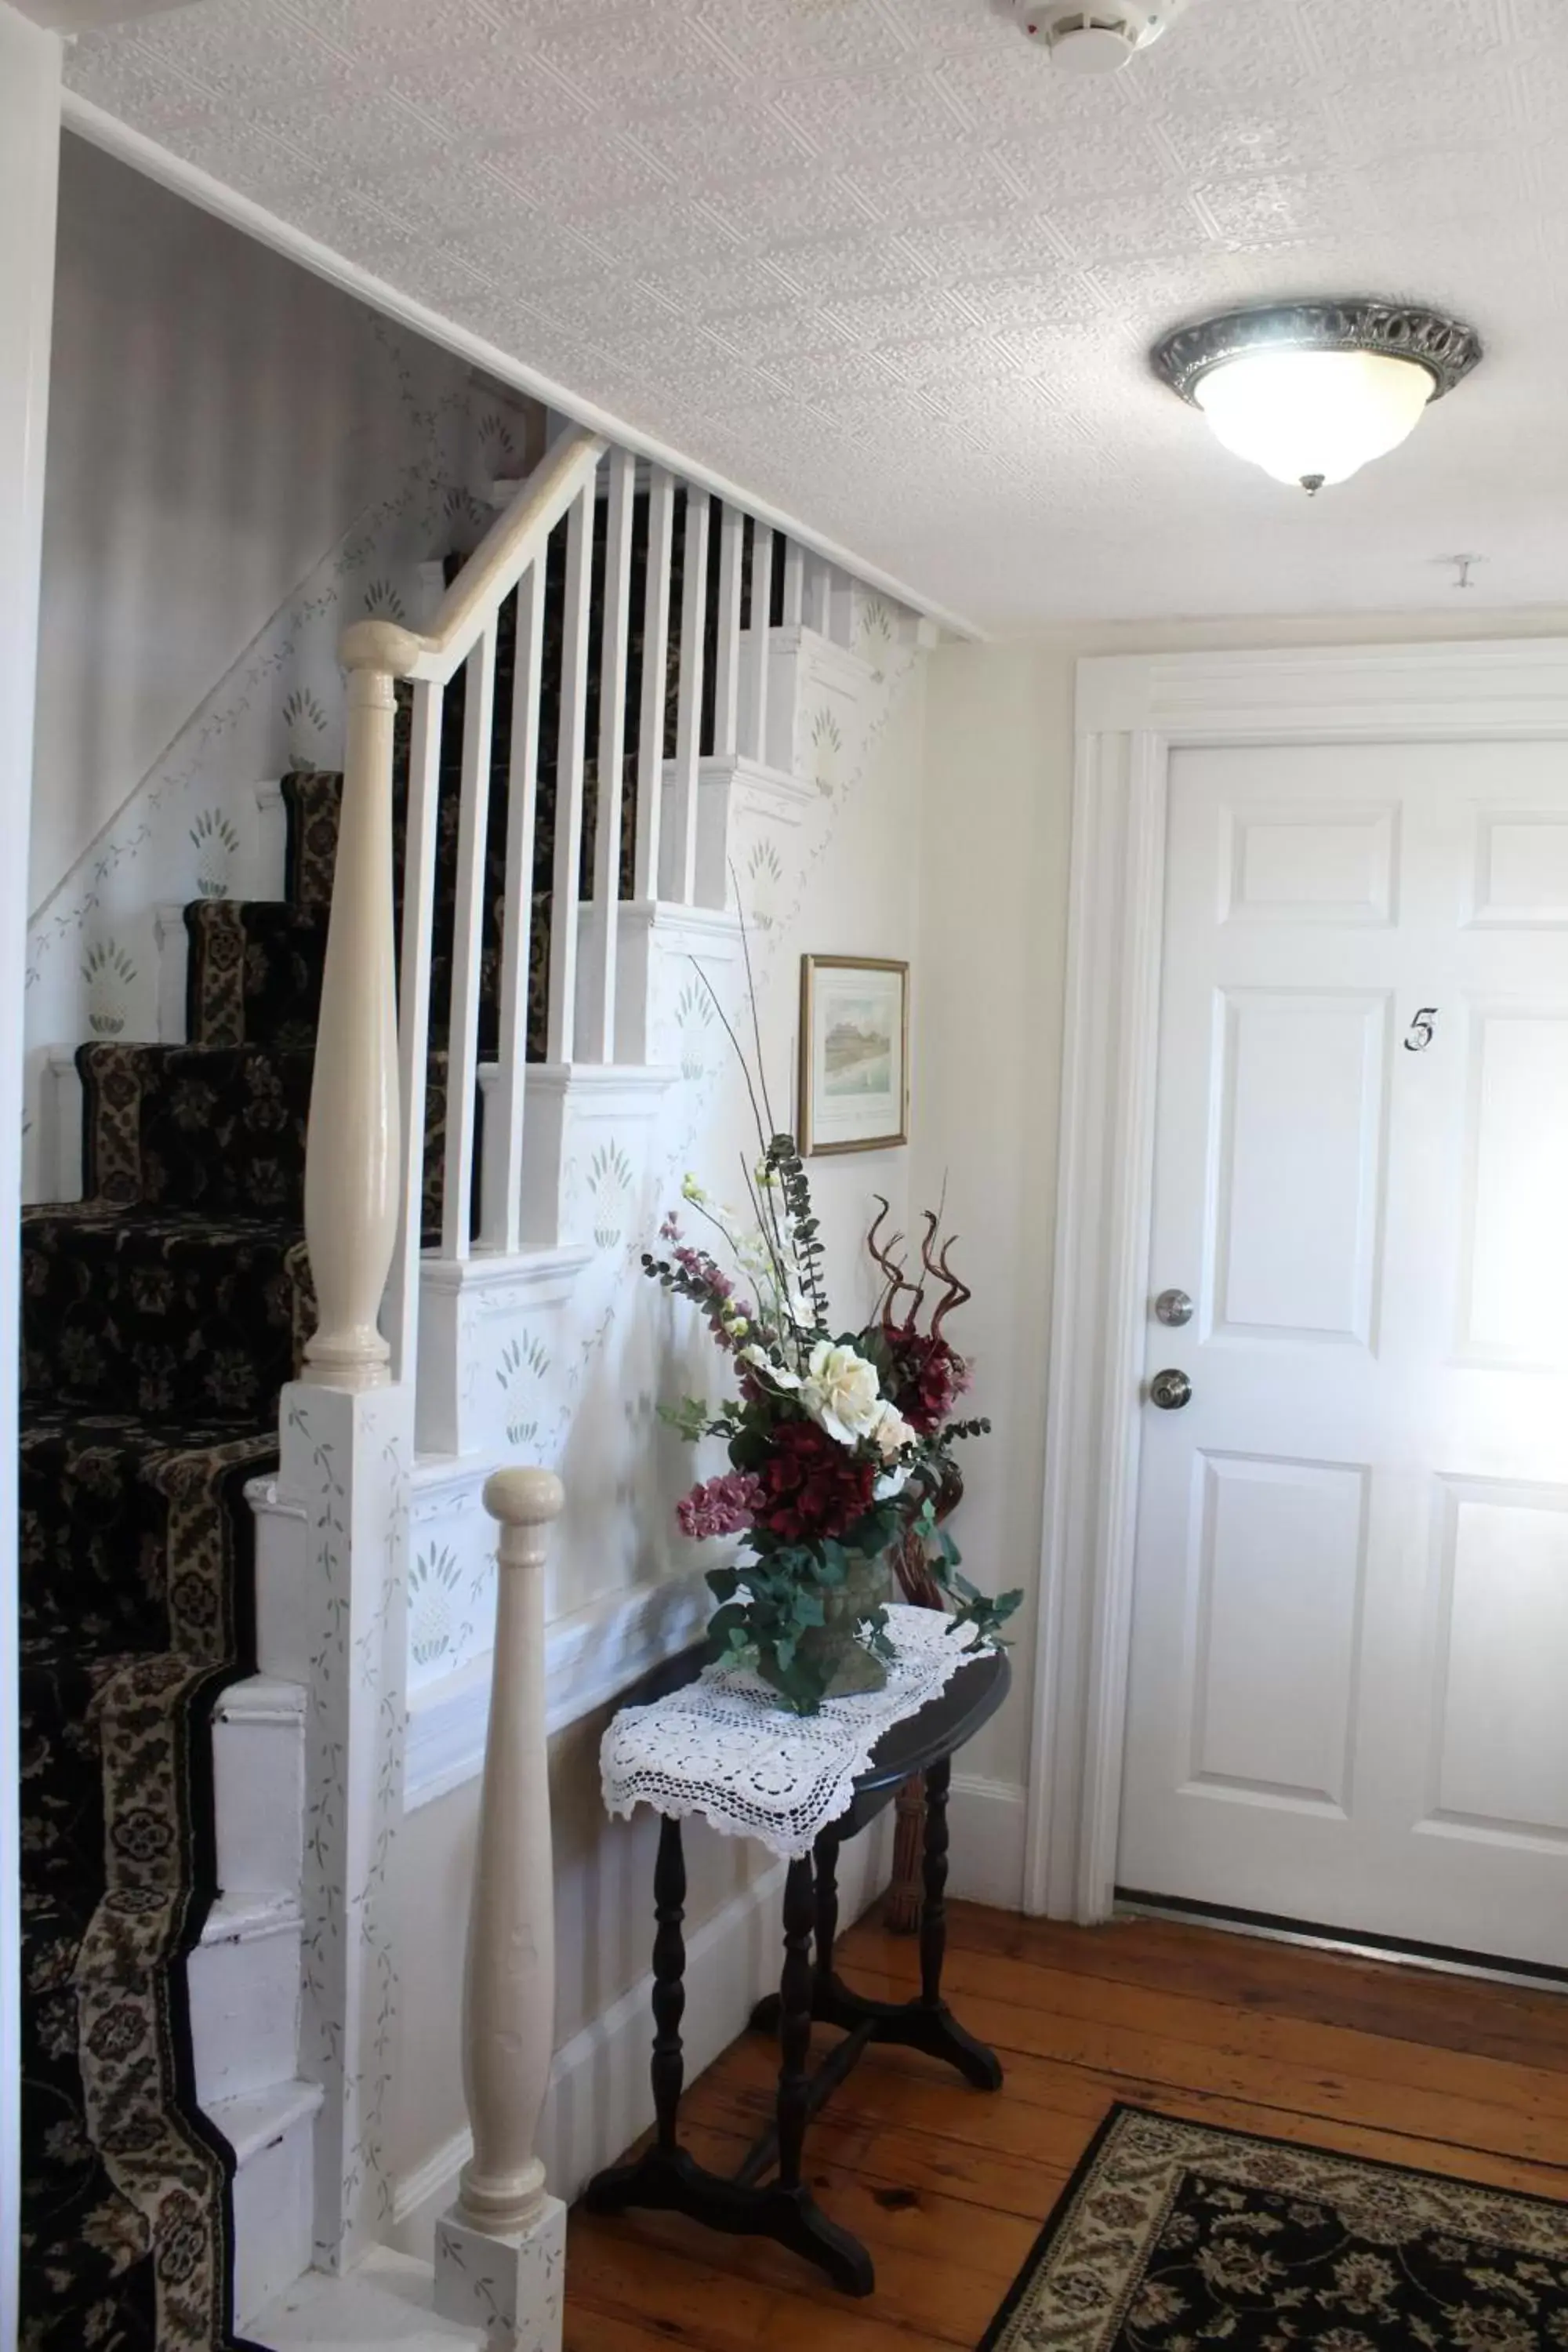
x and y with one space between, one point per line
932 1378
811 1487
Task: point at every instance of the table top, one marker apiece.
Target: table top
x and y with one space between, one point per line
945 1724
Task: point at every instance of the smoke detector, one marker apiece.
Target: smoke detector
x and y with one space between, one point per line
1096 37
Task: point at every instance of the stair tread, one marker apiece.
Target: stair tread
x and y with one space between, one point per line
252 2120
387 2301
237 1915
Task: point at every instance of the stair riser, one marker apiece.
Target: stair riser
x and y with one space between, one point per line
273 2197
258 1770
245 2010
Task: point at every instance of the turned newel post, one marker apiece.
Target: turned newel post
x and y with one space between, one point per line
351 1151
503 2229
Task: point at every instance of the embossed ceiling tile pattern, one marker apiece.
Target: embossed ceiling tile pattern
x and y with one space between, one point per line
880 261
833 36
746 141
849 117
803 205
1278 208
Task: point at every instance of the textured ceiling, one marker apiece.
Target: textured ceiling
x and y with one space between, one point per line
882 263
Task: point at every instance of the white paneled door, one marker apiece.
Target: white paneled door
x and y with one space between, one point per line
1349 1694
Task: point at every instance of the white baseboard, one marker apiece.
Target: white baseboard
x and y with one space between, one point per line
986 1819
600 2099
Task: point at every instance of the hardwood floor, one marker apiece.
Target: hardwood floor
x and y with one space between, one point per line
948 2187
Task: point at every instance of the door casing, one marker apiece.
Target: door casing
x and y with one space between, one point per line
1133 712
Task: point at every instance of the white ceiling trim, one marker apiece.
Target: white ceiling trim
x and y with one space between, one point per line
199 187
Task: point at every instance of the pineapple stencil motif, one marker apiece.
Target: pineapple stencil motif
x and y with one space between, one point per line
875 635
693 1019
827 749
766 868
110 975
306 723
216 845
433 1628
524 1361
609 1193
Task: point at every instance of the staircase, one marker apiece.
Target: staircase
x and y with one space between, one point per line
547 801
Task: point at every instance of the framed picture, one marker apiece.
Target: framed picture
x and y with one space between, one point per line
854 1054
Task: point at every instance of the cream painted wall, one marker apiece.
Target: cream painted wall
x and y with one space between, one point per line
862 897
994 910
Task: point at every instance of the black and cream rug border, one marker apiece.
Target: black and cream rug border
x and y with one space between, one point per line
1175 2235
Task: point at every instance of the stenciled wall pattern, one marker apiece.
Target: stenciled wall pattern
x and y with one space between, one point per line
206 822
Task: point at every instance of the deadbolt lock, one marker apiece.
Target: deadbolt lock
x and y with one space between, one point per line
1173 1307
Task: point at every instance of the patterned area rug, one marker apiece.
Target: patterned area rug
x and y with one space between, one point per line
1175 2236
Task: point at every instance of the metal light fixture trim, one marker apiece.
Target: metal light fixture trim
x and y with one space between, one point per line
1443 347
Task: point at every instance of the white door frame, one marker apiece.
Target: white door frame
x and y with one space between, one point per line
1133 712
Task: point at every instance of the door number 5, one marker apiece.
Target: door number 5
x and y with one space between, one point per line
1421 1030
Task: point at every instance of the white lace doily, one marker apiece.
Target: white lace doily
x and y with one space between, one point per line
723 1745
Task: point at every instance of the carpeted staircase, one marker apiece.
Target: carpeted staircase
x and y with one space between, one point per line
161 1317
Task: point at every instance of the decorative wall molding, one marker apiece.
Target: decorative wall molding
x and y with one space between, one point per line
1134 712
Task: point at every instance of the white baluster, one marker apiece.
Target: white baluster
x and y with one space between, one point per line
413 1019
352 1151
468 948
688 718
500 1197
611 748
793 583
562 1019
727 649
499 2251
818 586
762 608
654 659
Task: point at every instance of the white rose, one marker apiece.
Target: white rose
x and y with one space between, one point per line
780 1375
892 1432
841 1393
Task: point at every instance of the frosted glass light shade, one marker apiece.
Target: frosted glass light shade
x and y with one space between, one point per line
1314 416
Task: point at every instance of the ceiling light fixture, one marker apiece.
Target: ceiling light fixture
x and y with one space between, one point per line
1096 37
1313 391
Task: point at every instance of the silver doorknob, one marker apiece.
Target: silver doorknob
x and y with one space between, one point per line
1173 1307
1170 1391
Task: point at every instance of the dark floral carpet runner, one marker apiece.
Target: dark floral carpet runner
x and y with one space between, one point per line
1173 2237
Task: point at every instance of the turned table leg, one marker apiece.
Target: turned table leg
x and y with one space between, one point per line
796 1984
668 2067
827 1908
933 1911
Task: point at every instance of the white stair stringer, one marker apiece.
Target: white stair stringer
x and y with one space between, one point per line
244 1975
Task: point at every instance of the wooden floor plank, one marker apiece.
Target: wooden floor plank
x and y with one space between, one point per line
884 1966
1403 2002
948 2186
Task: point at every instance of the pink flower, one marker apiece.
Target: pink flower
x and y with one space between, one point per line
724 1506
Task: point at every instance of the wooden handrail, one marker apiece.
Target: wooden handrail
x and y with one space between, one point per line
511 543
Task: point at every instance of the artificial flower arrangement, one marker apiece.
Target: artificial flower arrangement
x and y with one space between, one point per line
839 1440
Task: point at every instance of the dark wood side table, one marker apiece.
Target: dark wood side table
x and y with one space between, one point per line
768 2196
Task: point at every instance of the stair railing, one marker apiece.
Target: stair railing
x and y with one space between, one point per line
366 1219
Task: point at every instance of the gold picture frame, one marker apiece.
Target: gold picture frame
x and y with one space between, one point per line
854 1058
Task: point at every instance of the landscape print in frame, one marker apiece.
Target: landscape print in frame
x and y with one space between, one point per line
854 1054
